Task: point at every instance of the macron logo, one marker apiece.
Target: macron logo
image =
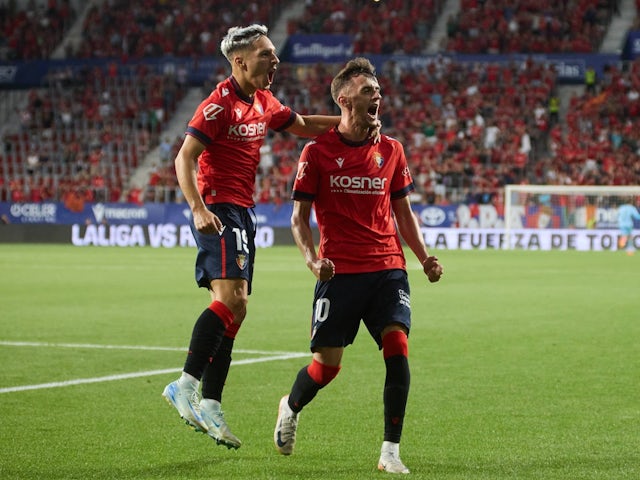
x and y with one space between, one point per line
98 212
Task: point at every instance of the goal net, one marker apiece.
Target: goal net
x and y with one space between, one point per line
565 217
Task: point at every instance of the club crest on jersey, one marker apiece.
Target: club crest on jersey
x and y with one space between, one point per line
259 108
378 159
238 113
340 161
241 260
302 166
211 111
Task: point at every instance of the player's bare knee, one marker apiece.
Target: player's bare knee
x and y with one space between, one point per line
239 316
238 305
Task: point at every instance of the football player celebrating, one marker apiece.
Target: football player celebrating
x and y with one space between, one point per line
216 169
359 190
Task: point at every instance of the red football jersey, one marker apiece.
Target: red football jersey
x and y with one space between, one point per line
351 186
233 127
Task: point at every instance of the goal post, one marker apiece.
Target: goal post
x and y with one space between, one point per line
579 217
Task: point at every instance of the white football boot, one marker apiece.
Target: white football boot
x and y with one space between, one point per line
284 435
390 459
217 427
186 400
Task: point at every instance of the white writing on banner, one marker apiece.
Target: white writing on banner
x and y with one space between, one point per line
8 73
156 236
34 212
318 49
523 239
108 213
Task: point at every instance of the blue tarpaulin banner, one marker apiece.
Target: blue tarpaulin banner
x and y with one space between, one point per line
318 48
268 214
459 215
300 49
631 48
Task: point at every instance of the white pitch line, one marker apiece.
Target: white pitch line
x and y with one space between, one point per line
271 356
125 347
148 373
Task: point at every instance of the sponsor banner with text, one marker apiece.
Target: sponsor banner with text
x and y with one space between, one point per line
447 216
437 239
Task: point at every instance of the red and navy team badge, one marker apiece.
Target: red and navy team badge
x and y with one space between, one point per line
378 158
241 260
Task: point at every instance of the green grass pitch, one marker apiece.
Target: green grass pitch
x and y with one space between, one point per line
525 365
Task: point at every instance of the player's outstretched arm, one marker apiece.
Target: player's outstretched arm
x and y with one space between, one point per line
410 231
312 125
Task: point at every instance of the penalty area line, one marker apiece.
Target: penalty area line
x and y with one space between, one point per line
7 343
148 373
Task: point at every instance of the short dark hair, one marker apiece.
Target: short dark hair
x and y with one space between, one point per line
353 68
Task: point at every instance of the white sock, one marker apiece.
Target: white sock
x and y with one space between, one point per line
187 380
210 404
391 447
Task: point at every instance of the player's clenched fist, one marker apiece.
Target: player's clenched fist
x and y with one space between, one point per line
432 269
206 222
323 269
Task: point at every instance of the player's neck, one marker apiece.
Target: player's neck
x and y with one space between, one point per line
245 86
353 132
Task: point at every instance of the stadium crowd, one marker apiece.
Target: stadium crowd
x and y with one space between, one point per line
148 28
476 128
81 138
393 26
126 29
468 128
529 26
33 31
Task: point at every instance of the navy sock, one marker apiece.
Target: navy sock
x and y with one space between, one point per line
215 375
303 391
205 340
396 392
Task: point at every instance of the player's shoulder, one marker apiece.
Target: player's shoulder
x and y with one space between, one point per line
391 145
224 92
326 140
219 101
394 142
310 145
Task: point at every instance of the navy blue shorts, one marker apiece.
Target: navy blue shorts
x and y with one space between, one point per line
230 254
378 299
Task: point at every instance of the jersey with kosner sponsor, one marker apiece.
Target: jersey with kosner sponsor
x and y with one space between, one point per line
233 127
351 186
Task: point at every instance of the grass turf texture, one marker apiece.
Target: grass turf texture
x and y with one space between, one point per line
524 365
